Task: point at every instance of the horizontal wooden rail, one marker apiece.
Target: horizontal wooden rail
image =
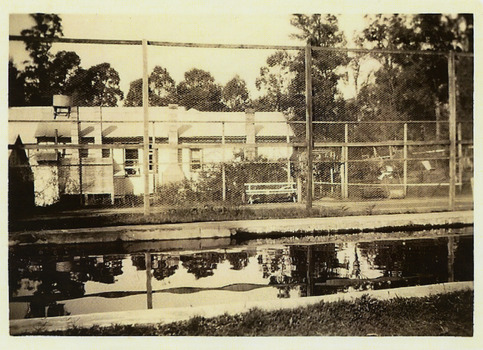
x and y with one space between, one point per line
379 143
124 121
361 184
270 184
231 46
227 145
225 121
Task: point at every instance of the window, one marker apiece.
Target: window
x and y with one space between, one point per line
180 156
84 153
195 159
151 157
106 153
131 162
61 152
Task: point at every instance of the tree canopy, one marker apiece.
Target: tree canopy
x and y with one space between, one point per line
37 74
96 86
235 95
48 74
413 86
199 91
162 89
283 79
402 87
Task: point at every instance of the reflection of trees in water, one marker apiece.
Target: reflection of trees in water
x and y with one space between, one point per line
202 264
49 279
463 259
41 309
54 281
139 262
18 269
409 258
102 269
384 255
275 262
164 265
298 265
320 265
238 260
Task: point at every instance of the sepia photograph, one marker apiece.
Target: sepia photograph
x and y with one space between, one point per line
240 174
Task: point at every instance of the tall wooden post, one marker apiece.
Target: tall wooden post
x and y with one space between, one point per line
146 128
149 276
308 116
405 162
155 158
78 133
223 171
460 157
346 161
310 271
289 177
452 128
56 141
451 249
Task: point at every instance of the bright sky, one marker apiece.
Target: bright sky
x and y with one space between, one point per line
223 64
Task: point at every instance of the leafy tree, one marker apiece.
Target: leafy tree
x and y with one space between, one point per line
37 84
16 81
275 79
49 74
134 97
96 86
284 76
199 91
413 86
46 74
162 89
235 95
62 68
320 31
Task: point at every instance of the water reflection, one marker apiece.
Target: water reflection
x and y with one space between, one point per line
59 281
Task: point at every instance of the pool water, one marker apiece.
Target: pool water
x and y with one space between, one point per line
58 280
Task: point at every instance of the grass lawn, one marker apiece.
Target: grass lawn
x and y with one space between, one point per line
438 315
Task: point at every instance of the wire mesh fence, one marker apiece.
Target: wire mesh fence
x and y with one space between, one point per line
380 128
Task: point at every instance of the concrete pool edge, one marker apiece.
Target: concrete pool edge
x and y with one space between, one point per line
169 315
253 228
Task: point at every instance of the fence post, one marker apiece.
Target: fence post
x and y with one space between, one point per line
405 164
155 155
308 115
346 161
289 177
223 174
146 128
78 137
460 157
149 276
452 128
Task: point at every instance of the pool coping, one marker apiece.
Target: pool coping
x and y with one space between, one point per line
169 315
244 228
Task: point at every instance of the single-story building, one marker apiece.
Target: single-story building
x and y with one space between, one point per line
109 163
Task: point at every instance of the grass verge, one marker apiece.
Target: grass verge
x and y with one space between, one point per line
177 215
437 315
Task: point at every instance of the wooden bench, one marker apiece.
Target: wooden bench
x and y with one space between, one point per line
254 191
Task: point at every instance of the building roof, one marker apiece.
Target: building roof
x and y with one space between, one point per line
125 122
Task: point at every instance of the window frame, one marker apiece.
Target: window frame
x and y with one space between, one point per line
131 164
196 163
